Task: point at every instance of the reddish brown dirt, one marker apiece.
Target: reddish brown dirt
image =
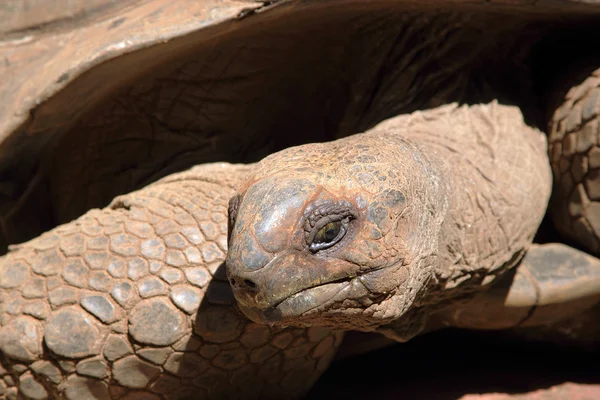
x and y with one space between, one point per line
568 390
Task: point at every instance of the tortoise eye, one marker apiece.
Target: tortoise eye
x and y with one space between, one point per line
329 232
328 235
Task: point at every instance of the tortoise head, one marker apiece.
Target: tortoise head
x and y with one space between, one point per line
335 234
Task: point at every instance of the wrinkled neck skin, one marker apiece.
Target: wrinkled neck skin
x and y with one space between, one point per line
493 172
435 202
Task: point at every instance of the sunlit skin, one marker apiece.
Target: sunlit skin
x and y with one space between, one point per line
354 234
327 241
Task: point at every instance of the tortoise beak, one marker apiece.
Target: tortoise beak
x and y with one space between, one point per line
285 276
266 285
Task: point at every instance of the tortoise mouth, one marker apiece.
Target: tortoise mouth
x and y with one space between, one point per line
330 304
301 304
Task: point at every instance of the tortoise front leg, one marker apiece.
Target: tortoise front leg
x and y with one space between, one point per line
573 145
552 283
132 302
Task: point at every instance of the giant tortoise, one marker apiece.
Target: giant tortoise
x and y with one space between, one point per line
404 177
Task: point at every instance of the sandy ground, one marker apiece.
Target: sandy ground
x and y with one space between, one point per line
454 365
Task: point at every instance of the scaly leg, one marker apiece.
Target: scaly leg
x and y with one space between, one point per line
132 302
552 284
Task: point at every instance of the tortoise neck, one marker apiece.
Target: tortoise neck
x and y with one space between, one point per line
493 171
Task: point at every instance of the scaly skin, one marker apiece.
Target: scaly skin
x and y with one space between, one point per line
439 202
574 148
553 285
130 302
440 70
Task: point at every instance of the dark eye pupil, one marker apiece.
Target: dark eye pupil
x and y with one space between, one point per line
328 235
329 232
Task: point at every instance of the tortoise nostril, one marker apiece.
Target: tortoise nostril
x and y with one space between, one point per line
244 285
250 284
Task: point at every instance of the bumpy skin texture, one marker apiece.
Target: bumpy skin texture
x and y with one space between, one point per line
430 77
552 284
130 302
575 155
440 202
